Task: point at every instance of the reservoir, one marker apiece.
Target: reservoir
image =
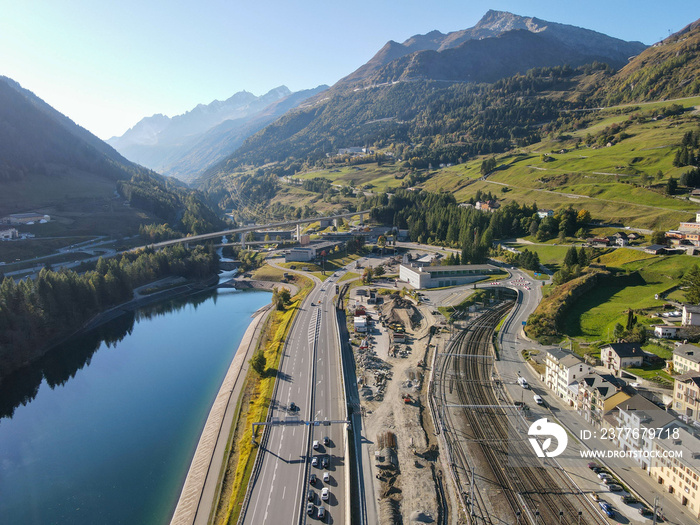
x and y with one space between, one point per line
102 431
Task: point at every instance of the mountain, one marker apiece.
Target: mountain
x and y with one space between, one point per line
668 69
223 139
50 164
46 160
185 144
517 43
35 137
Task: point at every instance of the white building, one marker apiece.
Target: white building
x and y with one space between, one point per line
638 414
665 331
686 358
691 315
441 276
9 234
563 369
360 324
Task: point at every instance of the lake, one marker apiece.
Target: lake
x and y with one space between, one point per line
102 431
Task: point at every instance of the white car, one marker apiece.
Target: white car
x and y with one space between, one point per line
326 477
314 461
316 445
325 493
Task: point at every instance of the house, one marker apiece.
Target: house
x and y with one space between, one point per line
676 466
665 331
690 315
686 358
545 213
487 205
617 356
562 369
599 240
686 396
655 249
596 395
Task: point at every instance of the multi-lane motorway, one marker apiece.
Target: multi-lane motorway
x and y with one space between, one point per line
310 377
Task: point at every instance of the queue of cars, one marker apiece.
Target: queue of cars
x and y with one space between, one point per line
322 462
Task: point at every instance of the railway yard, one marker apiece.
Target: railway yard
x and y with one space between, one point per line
485 437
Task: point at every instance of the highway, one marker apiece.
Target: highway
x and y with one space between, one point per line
310 377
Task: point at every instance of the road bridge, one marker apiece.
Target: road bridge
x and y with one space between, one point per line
255 227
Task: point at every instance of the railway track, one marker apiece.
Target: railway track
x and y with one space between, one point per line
477 418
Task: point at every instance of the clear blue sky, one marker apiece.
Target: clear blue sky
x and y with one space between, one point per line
108 64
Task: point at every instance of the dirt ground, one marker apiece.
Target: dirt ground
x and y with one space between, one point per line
405 450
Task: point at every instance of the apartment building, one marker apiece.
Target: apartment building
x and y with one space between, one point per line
686 396
686 358
562 369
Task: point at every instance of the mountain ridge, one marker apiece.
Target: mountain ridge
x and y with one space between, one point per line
177 146
492 25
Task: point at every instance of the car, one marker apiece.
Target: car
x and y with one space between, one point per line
607 508
523 383
613 487
597 469
311 496
326 477
321 512
592 465
314 461
312 478
629 500
609 481
316 444
538 399
325 493
325 462
647 513
603 475
326 440
310 508
293 407
594 496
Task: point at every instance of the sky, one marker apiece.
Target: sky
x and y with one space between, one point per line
106 64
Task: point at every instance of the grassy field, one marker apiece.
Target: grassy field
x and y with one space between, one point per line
595 315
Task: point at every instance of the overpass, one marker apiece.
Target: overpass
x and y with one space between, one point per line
255 227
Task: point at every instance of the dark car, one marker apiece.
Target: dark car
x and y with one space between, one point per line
592 465
312 479
629 500
325 462
293 407
311 496
326 441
